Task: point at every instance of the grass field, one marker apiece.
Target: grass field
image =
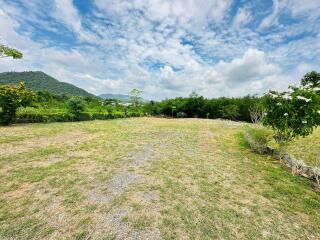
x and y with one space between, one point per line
147 178
307 149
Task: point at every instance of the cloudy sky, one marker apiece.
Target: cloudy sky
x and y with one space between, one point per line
165 47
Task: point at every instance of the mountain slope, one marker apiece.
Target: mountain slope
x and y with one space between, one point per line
41 81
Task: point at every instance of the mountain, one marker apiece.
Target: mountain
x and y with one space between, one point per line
41 81
121 97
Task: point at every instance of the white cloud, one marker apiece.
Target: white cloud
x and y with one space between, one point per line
273 17
201 46
252 66
242 17
67 13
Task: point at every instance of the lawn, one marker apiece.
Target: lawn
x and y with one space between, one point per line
147 178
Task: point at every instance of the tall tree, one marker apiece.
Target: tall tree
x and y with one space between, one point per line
135 97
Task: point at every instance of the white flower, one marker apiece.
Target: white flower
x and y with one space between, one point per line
279 104
316 89
286 114
272 95
290 90
304 121
267 113
318 111
287 97
308 85
303 98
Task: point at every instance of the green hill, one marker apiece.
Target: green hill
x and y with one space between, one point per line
41 81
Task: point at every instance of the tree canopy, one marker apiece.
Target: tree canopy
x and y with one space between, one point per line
6 51
312 78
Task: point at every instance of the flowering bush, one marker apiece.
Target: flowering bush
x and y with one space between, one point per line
293 113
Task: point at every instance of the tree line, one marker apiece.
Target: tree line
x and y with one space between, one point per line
198 106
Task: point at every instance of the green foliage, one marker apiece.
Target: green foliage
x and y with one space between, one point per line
181 115
110 101
39 81
257 138
230 112
6 51
312 78
193 107
76 107
11 98
293 113
109 110
198 106
135 97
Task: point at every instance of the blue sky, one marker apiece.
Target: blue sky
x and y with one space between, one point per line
166 48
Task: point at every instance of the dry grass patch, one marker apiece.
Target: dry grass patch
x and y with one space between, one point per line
147 178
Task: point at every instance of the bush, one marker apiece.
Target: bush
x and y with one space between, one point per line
76 108
43 118
33 115
11 98
257 139
293 113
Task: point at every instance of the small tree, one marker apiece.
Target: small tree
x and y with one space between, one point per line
11 98
109 109
76 107
6 51
293 113
135 97
256 113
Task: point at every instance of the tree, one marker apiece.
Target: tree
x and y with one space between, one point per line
6 51
312 78
76 107
230 111
135 97
109 109
256 113
11 98
193 106
293 113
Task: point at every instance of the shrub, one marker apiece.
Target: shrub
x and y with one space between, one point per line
11 98
292 113
257 139
76 108
34 117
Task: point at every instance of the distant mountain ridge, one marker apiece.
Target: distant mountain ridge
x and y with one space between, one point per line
40 81
121 97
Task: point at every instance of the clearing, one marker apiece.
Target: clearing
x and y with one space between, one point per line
147 178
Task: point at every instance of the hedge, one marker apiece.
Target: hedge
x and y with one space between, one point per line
34 117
